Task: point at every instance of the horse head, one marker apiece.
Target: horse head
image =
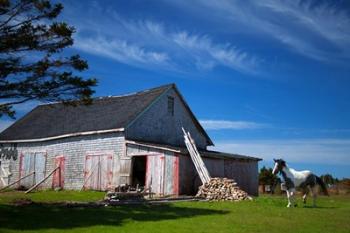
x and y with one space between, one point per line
279 165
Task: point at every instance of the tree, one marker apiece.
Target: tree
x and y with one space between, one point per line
328 179
31 64
267 178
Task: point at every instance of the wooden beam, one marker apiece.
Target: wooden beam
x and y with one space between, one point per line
41 181
196 157
17 181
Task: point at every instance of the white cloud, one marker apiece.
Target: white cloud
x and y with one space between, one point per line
224 124
122 51
202 47
317 151
314 29
152 44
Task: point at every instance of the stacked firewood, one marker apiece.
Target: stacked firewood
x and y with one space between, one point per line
222 189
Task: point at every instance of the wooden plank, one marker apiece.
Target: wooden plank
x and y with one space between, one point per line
40 182
196 158
15 182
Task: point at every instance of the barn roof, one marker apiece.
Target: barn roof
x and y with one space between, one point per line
49 121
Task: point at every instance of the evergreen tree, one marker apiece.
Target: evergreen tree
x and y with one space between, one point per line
31 64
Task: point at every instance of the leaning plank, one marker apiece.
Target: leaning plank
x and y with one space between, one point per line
196 158
41 181
15 182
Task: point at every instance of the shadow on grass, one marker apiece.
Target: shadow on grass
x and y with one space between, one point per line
35 217
320 207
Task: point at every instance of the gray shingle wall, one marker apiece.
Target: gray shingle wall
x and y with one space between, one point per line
157 125
74 149
245 173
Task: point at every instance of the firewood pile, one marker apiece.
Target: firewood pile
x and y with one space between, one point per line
222 189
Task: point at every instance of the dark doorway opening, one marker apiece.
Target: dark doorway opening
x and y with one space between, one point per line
139 171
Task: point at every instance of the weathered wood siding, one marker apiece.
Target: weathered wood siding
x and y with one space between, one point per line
188 177
244 172
74 150
157 125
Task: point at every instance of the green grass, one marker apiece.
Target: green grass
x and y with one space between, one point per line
264 214
51 196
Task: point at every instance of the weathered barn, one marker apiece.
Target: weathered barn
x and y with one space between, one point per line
130 139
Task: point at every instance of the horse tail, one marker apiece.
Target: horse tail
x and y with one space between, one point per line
320 182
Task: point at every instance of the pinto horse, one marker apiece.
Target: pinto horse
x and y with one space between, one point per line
305 180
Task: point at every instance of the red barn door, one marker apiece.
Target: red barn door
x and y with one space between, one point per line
58 176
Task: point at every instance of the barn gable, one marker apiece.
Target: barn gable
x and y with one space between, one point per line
162 122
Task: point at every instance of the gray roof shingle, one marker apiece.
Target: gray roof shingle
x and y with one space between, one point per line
105 113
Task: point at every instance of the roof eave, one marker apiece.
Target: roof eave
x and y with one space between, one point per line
64 136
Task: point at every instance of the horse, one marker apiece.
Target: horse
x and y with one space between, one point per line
305 180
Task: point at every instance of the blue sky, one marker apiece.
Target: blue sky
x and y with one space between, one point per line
266 78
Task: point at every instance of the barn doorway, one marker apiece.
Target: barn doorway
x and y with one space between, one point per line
139 171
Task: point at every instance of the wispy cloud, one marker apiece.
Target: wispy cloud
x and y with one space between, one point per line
122 51
208 54
151 44
317 151
236 125
316 29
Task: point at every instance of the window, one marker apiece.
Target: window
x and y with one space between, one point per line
171 105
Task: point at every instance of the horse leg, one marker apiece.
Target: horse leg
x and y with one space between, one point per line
305 191
314 194
304 198
290 196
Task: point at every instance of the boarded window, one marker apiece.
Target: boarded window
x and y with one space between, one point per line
171 105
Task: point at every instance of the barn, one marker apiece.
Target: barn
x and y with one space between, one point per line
131 139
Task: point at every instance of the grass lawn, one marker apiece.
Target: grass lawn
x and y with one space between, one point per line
264 214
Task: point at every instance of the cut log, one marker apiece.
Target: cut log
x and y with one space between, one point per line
222 189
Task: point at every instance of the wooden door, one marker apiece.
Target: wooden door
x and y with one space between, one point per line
98 172
58 175
32 162
155 173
